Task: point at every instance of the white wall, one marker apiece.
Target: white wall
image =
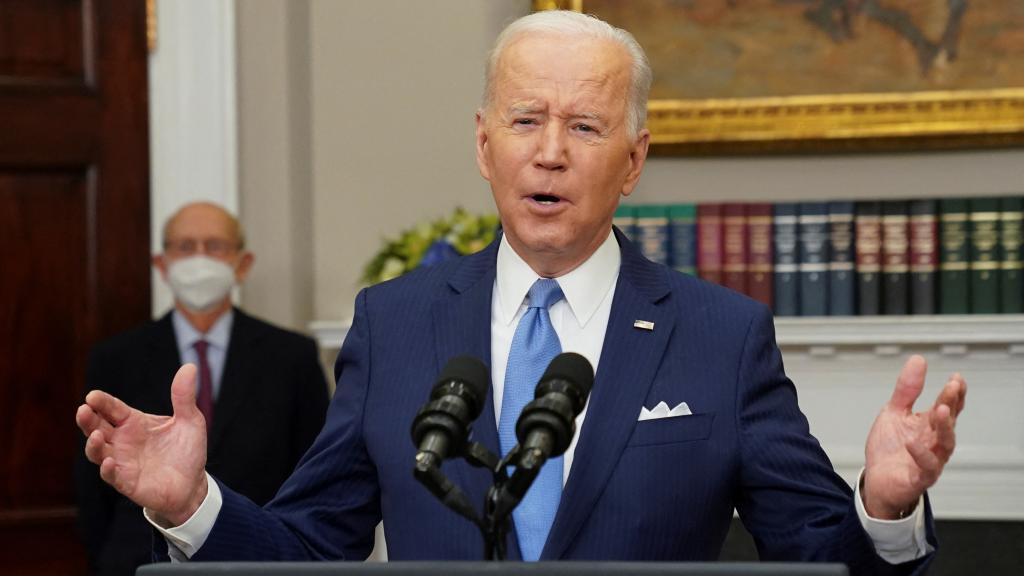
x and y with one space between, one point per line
395 88
275 160
832 177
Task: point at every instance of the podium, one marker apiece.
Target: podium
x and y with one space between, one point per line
494 569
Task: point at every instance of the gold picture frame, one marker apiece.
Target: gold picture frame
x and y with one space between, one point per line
854 122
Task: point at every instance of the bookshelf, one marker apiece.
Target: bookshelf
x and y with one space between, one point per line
845 367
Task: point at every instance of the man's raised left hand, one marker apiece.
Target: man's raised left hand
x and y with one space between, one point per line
906 450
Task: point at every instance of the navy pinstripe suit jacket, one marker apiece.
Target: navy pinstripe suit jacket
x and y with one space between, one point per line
653 490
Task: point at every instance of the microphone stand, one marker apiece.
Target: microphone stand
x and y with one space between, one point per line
494 531
505 494
502 497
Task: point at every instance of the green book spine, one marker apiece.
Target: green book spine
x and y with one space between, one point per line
954 289
985 255
1011 215
682 224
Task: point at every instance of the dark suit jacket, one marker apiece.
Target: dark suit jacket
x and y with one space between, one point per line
654 490
271 405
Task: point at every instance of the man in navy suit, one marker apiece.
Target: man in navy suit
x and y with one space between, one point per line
560 138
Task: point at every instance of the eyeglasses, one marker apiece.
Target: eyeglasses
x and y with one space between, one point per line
215 247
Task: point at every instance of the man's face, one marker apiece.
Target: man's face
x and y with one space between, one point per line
204 229
555 146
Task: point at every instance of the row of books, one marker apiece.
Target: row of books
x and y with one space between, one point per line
931 256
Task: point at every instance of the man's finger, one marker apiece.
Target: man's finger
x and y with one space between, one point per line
88 421
943 423
949 395
109 408
108 472
183 392
963 394
909 384
96 447
927 462
84 419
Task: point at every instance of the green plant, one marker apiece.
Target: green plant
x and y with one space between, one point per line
464 232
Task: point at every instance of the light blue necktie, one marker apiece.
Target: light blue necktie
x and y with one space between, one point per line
534 345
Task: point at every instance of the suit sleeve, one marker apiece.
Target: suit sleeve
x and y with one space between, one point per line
328 508
791 500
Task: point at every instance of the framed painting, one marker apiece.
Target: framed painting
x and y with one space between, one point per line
741 76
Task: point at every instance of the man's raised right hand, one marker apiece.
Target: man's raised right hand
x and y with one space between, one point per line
158 462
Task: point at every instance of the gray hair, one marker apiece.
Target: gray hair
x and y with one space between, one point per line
568 23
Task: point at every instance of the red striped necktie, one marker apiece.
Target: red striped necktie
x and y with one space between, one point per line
204 398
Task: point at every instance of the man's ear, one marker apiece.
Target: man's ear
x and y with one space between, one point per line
244 266
160 263
481 145
637 158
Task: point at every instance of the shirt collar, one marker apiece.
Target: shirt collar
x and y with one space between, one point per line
584 288
217 337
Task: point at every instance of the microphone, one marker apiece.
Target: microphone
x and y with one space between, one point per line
547 424
545 427
441 427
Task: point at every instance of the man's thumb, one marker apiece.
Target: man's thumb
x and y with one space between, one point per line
183 392
910 383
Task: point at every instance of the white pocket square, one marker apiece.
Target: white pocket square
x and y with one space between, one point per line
662 411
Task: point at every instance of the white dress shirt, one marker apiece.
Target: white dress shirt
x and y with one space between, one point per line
580 320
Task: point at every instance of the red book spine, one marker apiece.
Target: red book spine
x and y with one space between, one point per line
869 244
735 247
760 281
709 242
924 240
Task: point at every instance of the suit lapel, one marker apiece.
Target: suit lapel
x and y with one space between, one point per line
630 358
238 376
462 326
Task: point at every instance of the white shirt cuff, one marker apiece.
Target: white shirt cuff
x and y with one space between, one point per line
185 540
896 541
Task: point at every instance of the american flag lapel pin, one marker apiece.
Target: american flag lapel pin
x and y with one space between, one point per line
643 325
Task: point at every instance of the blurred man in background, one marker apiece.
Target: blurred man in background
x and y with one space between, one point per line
261 389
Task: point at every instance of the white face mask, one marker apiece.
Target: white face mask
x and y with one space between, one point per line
200 282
